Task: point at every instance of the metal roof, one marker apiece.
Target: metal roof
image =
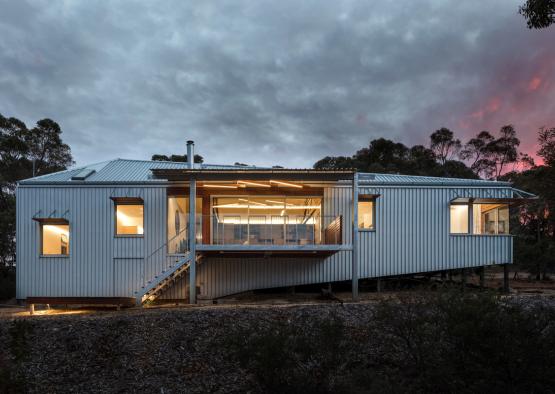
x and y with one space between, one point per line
142 171
283 174
396 179
120 170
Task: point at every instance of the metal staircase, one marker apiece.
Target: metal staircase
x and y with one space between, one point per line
153 288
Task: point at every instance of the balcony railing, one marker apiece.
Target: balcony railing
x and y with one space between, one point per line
263 230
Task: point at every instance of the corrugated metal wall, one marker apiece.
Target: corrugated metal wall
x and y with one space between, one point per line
412 235
99 264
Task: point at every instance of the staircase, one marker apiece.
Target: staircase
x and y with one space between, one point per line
152 289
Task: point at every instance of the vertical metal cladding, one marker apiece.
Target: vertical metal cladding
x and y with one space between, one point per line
411 235
99 263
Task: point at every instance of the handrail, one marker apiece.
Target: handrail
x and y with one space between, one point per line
165 244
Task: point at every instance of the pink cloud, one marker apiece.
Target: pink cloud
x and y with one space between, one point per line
534 84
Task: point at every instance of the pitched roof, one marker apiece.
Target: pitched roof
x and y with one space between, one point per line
396 179
140 171
118 170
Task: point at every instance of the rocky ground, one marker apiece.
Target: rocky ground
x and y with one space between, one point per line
318 347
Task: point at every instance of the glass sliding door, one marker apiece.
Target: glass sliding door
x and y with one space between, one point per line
178 223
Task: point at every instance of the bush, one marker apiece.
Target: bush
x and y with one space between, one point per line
7 283
446 341
294 358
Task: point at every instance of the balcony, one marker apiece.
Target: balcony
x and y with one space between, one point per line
265 235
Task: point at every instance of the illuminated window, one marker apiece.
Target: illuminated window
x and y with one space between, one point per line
366 215
129 219
55 239
276 220
178 223
491 219
459 218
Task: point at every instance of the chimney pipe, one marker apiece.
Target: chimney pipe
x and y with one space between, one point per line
191 154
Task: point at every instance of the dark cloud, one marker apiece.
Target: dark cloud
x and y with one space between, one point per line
269 82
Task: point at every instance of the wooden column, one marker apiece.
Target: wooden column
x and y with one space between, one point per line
379 285
355 238
192 242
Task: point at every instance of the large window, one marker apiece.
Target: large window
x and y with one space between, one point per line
178 223
274 220
491 218
366 215
55 239
129 219
458 218
487 219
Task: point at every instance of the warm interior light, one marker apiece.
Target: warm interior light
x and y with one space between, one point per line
220 186
276 221
278 202
263 206
286 184
257 203
253 183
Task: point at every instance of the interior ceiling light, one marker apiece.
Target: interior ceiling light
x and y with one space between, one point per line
220 186
258 203
281 183
249 183
276 202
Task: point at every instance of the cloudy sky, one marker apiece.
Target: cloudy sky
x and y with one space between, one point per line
272 82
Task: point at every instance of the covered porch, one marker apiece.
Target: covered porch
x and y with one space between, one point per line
255 212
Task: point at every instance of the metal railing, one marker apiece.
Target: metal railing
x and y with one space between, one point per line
235 229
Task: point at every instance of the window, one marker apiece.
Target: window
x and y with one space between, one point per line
491 219
178 220
129 219
55 239
276 220
366 215
459 218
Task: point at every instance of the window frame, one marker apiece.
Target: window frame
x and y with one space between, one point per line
470 231
496 209
272 195
373 200
41 235
199 198
469 223
116 234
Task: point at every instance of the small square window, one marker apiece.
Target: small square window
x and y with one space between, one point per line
55 239
129 219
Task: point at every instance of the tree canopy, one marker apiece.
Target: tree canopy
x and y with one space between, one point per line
539 14
176 158
21 149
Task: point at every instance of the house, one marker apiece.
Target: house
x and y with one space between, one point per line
143 230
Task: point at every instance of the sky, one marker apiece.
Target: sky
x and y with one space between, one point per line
272 82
